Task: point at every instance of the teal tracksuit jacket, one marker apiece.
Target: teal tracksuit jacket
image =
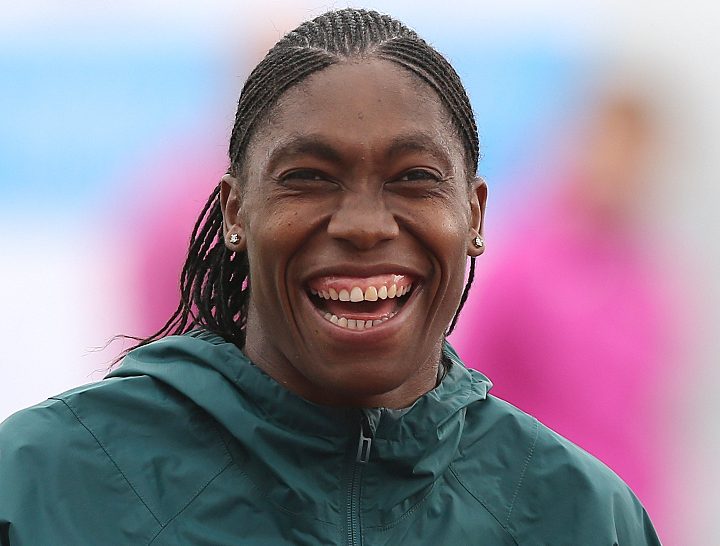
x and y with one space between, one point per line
189 443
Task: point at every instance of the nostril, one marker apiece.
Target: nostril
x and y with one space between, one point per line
363 226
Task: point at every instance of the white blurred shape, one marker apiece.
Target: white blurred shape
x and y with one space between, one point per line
59 301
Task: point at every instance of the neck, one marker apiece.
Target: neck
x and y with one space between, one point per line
324 384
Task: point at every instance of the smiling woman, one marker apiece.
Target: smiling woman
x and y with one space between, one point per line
303 391
358 185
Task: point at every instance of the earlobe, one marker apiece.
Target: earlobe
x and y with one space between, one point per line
231 206
478 199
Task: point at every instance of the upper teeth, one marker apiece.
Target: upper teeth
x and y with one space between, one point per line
356 293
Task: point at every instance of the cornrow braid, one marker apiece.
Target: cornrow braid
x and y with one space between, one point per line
214 282
435 70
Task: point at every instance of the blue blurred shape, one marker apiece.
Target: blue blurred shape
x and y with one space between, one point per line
517 90
69 118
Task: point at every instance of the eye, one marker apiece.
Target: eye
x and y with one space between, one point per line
303 175
306 181
420 182
419 175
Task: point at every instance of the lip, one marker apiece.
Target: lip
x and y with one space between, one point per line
375 334
360 270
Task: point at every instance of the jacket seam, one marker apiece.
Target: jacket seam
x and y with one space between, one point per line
107 454
220 434
528 458
261 494
484 505
410 511
192 499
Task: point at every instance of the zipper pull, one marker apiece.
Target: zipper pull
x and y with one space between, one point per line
363 452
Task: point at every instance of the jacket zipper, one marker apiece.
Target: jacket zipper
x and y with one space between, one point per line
354 530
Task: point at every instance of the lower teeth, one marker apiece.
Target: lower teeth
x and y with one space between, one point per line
356 324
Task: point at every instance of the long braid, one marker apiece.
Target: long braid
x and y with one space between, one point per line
465 294
214 282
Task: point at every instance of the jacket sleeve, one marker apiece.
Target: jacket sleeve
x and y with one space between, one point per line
59 487
567 497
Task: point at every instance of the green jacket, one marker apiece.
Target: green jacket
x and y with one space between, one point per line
188 443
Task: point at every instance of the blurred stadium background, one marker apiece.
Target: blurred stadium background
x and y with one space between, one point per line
114 120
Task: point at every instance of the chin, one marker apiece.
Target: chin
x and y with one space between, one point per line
366 379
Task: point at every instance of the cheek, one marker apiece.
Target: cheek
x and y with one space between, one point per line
274 227
442 227
276 232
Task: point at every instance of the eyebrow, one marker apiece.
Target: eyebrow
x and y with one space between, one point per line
418 142
304 145
297 145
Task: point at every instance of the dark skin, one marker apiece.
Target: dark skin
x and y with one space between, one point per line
357 172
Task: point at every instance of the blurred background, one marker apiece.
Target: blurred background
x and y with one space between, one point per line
597 304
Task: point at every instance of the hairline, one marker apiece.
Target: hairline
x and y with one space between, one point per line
371 54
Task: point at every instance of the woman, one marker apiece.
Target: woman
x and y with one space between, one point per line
310 398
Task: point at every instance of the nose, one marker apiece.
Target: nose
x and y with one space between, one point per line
363 220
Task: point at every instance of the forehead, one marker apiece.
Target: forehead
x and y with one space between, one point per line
366 104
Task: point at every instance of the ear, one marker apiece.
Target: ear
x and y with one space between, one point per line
478 199
231 206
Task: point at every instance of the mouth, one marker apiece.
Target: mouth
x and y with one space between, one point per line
360 303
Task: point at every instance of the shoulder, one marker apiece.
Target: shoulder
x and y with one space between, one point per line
122 454
56 479
543 488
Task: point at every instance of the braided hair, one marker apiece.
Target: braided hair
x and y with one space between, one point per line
214 283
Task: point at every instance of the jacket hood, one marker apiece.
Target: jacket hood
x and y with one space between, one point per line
418 443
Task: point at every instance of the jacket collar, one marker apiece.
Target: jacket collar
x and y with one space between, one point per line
218 377
410 448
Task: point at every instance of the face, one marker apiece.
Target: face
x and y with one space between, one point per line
357 215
